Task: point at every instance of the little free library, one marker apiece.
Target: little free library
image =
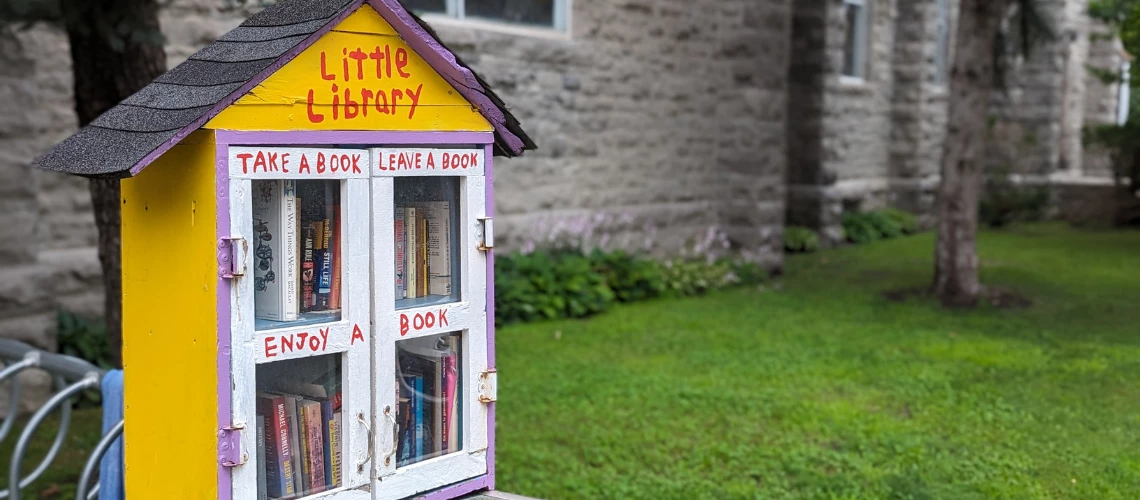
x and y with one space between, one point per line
307 261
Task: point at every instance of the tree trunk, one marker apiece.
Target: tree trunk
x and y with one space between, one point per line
971 83
105 75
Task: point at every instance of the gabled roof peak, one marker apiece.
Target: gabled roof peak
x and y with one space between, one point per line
128 137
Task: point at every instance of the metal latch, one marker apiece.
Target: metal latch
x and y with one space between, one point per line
229 446
487 242
232 257
489 386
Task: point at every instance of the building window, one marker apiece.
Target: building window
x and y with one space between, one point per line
855 46
942 54
1124 96
552 14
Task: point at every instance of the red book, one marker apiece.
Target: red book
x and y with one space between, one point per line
278 452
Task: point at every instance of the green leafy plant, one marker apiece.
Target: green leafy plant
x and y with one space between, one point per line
859 229
631 278
885 226
800 239
87 340
1004 203
906 221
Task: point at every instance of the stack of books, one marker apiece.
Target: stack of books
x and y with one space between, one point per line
297 250
423 250
299 439
428 405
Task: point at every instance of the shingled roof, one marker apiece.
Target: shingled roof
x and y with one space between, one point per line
128 137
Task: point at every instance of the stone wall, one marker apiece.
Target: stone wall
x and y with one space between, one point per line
1101 99
667 116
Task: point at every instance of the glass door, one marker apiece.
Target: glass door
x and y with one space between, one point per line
300 333
430 317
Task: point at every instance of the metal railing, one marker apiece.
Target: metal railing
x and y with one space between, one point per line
71 376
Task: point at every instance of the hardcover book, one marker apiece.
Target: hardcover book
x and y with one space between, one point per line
335 444
262 477
314 436
278 445
411 215
400 235
274 250
438 217
297 444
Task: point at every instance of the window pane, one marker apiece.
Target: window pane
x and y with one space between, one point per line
299 438
296 252
539 12
426 5
428 396
852 47
427 241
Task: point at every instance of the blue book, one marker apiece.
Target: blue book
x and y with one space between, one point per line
418 424
326 417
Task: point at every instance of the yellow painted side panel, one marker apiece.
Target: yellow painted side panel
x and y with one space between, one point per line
359 76
170 323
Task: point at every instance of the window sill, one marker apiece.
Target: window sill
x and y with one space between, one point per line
441 20
852 81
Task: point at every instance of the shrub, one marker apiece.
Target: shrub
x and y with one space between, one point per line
906 221
800 239
858 229
87 340
550 284
885 226
1004 203
630 277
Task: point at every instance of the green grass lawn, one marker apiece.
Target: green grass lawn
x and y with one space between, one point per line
817 387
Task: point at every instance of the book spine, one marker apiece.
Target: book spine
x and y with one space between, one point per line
412 260
399 246
262 465
335 455
405 430
289 262
334 293
418 423
278 457
296 444
438 216
314 435
326 430
422 288
452 399
307 266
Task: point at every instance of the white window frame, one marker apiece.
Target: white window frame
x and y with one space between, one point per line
456 11
1124 96
942 44
861 49
246 343
467 315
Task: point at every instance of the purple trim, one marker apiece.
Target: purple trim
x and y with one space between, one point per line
233 137
489 172
222 187
443 61
437 56
459 489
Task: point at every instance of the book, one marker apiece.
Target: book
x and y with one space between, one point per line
308 263
297 444
324 285
400 234
262 478
314 436
278 457
410 265
421 255
334 291
450 402
418 418
438 216
275 259
404 448
335 462
326 430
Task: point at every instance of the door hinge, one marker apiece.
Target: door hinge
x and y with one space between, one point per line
487 241
229 446
489 386
232 257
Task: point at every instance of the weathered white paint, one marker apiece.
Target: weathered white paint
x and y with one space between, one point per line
470 319
330 338
427 161
356 364
460 316
255 162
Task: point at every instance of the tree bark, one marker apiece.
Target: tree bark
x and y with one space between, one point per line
971 83
104 75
